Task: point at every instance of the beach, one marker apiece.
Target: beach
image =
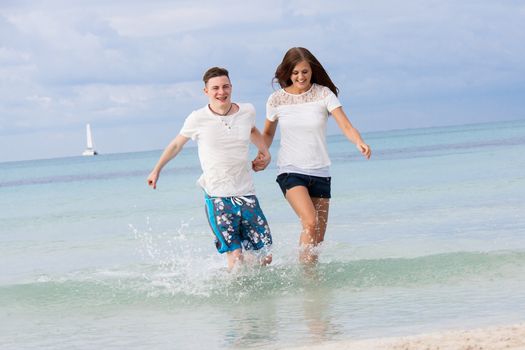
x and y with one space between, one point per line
492 338
425 248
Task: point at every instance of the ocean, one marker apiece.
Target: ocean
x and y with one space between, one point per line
427 235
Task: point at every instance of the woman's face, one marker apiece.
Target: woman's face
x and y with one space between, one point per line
301 76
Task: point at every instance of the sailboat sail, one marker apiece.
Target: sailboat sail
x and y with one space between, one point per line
89 136
90 150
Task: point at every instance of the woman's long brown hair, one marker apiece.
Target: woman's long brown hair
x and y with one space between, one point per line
295 55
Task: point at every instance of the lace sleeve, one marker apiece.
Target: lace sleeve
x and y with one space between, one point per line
271 108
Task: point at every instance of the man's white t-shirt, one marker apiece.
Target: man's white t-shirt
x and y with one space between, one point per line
302 119
223 146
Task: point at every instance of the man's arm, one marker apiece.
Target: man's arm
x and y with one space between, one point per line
174 147
263 156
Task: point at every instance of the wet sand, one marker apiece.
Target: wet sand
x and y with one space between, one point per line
489 338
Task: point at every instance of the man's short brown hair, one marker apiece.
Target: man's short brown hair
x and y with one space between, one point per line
213 73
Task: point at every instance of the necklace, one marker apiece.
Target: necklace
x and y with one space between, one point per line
226 122
222 115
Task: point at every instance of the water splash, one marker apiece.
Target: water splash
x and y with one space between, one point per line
172 283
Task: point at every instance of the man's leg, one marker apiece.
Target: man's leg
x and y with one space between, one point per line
235 258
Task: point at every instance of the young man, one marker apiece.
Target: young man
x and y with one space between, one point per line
223 130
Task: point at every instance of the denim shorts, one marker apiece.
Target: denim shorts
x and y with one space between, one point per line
318 187
237 222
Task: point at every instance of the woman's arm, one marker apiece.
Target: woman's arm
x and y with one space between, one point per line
269 131
350 132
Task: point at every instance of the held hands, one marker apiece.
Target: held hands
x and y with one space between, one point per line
364 149
152 179
261 161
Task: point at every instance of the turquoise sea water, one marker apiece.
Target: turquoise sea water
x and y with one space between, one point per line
428 235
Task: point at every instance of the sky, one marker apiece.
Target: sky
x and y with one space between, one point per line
133 69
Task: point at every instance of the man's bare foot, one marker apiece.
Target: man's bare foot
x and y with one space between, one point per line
267 260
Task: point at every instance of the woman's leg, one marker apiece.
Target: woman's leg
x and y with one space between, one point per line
321 206
303 206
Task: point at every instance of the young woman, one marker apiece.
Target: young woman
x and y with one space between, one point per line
301 107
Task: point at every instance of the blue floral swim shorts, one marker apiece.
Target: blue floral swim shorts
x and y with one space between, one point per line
237 222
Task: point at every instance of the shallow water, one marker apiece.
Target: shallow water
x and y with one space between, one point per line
427 235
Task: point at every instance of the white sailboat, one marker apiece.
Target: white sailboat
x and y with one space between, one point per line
90 150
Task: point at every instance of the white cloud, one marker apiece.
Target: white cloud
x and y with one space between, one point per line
121 62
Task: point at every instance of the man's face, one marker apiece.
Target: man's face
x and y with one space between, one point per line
218 90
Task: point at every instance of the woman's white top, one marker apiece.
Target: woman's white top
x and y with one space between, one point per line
223 143
302 120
